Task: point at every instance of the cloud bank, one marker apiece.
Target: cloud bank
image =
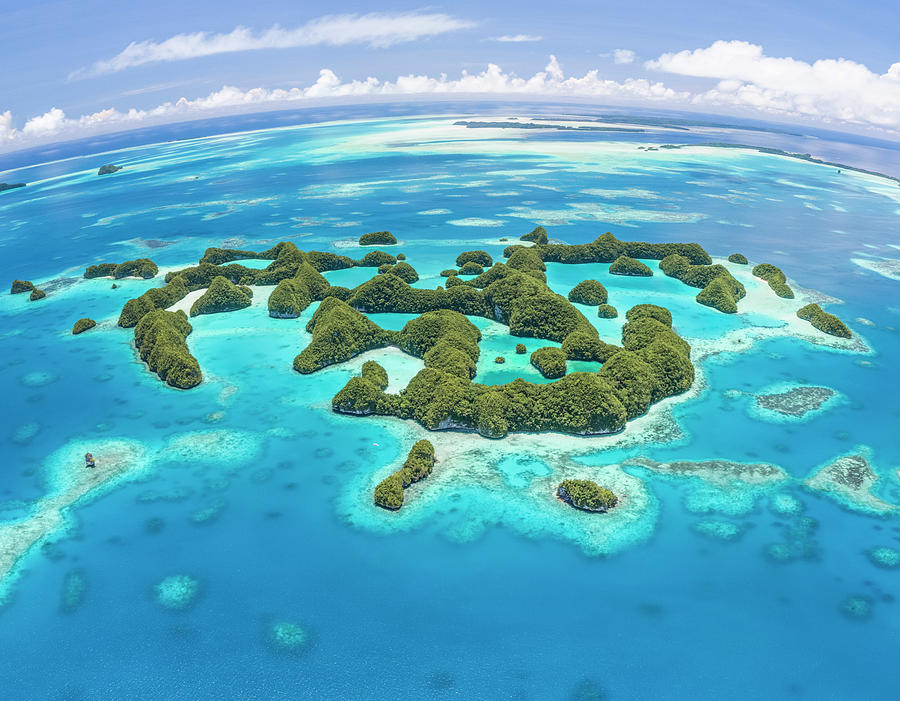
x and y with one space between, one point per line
829 89
516 38
376 29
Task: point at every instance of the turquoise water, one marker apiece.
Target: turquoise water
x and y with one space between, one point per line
482 586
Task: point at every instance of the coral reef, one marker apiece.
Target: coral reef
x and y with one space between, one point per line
177 592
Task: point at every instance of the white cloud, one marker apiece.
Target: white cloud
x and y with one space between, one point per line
54 125
377 29
518 38
623 56
829 89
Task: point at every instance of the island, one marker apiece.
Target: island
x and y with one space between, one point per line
586 495
536 235
160 338
141 267
822 320
607 311
549 361
418 465
83 325
20 286
481 258
378 238
738 258
625 265
470 268
521 349
10 186
109 168
589 292
36 294
499 360
776 279
222 295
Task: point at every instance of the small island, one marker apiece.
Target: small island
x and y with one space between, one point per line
222 295
738 258
776 279
480 258
549 361
36 294
586 495
109 168
419 464
536 235
589 292
378 238
141 267
822 320
10 186
470 268
83 325
20 286
625 265
607 311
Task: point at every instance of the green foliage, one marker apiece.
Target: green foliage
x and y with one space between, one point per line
776 279
289 298
645 330
152 299
142 267
499 360
418 465
445 339
586 495
374 259
527 260
217 256
481 258
100 270
402 270
591 292
36 294
470 268
448 272
389 492
222 296
536 235
401 256
584 346
719 289
342 293
377 238
633 379
607 311
454 281
661 314
606 248
339 333
738 258
160 339
822 320
388 293
374 373
521 349
625 265
83 325
20 286
323 261
550 361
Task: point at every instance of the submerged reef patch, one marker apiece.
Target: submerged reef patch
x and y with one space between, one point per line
884 557
177 592
285 636
851 481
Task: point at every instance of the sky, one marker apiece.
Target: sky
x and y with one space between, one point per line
72 69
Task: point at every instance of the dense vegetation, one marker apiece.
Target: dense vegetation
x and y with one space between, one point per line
470 268
142 267
222 295
536 235
482 258
419 464
160 338
719 289
606 248
776 279
661 314
625 265
738 258
378 238
607 311
824 321
20 286
586 495
521 349
402 270
590 292
83 325
550 361
36 294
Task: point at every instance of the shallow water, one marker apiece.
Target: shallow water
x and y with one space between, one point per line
483 586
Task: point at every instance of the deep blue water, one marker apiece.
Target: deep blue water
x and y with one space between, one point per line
469 599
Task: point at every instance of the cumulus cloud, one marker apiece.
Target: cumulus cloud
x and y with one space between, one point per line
55 125
518 38
376 29
829 89
623 56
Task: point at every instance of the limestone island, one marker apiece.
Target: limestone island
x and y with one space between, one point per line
589 292
83 325
10 186
585 495
378 238
624 265
142 267
822 320
109 168
419 464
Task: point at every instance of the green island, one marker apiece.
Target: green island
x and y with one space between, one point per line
589 292
160 338
108 168
20 286
499 360
521 349
536 235
549 361
418 465
141 267
83 325
822 320
718 288
586 495
378 238
776 279
626 265
10 186
36 294
470 268
222 295
607 311
738 258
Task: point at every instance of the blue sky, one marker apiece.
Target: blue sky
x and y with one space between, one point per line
73 68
